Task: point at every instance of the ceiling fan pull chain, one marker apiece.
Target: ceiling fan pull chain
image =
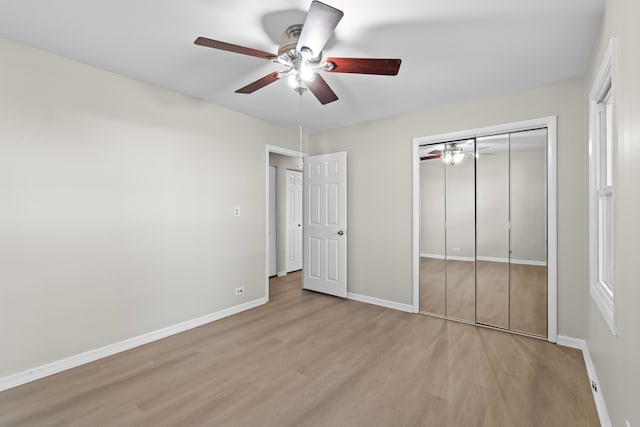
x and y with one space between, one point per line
300 161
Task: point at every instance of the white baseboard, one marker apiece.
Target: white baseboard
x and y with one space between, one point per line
581 344
381 302
282 273
42 371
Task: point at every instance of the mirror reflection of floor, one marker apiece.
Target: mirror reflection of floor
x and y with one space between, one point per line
521 307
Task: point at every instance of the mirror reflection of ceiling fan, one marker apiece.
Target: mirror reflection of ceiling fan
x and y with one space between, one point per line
452 153
302 56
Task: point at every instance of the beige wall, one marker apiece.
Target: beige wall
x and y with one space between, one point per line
117 201
379 179
282 163
617 358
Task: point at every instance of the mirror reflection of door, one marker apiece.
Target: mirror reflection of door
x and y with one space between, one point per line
483 239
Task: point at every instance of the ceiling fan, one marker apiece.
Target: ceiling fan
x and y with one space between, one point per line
451 153
302 55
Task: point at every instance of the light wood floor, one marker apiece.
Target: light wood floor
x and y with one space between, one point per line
307 359
508 296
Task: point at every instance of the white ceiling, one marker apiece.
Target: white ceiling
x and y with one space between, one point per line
451 50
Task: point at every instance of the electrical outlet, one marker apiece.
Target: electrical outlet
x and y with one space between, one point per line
594 386
240 290
236 211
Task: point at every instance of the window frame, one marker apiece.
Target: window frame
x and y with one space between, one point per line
602 178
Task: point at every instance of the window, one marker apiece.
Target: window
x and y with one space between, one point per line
602 164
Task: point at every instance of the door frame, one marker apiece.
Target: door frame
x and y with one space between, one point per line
550 122
272 255
285 152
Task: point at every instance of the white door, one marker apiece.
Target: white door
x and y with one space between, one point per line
272 221
325 224
294 221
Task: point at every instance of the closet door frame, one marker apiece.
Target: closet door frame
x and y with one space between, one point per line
549 122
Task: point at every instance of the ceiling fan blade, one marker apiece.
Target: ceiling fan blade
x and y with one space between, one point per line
260 83
430 157
319 87
384 66
216 44
321 20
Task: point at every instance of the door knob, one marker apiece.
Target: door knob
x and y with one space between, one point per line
340 233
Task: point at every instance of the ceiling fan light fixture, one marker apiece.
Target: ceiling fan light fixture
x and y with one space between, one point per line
301 53
293 81
306 73
306 53
296 83
453 154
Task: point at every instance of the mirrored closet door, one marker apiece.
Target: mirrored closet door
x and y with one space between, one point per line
483 231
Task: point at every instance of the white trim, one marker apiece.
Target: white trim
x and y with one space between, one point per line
415 190
285 152
42 371
552 228
598 397
550 122
484 131
282 273
603 82
487 258
408 308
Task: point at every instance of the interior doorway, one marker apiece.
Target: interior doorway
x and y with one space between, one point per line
279 162
271 229
322 187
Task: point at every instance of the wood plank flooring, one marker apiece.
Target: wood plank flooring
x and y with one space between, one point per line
307 359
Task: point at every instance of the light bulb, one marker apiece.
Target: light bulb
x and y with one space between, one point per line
457 158
306 73
293 81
